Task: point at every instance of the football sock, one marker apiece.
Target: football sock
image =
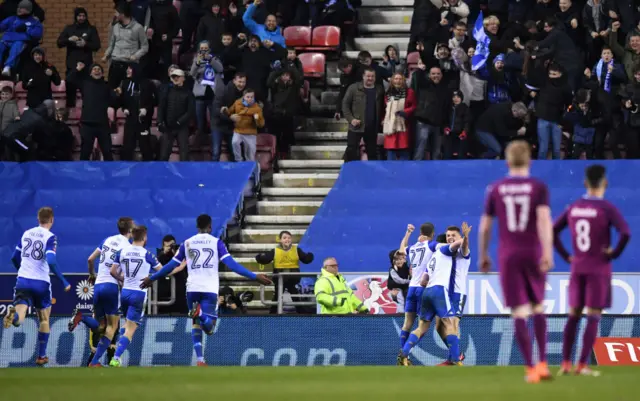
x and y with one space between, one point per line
454 347
43 340
100 350
569 337
404 334
411 342
524 340
590 334
16 319
123 342
540 331
207 323
90 322
196 336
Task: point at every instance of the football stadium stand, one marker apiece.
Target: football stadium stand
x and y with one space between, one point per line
366 213
88 198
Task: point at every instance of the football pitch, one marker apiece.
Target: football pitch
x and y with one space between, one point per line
310 384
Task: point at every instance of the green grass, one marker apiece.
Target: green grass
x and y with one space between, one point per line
311 384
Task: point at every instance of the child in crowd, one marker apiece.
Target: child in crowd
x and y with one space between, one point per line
457 128
247 117
584 121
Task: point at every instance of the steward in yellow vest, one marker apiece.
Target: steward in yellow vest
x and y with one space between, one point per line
286 258
333 293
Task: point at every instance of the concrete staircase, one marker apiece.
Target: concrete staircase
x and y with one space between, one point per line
290 198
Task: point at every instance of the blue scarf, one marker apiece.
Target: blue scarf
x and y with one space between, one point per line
247 104
607 78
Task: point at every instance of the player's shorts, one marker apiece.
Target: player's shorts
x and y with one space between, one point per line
132 304
30 292
522 281
590 290
106 299
208 302
438 301
414 299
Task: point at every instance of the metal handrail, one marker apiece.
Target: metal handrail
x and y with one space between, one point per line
152 305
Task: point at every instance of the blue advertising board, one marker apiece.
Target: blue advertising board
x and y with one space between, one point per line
294 341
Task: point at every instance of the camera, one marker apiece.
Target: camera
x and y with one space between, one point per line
174 247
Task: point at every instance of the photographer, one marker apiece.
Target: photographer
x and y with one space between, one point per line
231 304
164 255
399 278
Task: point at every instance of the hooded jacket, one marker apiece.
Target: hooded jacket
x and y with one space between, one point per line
84 31
210 28
137 93
96 97
164 21
197 72
285 97
8 8
24 28
36 81
553 99
126 41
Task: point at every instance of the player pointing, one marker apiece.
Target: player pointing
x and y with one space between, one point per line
203 253
525 251
35 257
590 220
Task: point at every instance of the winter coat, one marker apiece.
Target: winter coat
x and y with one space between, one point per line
137 93
37 82
126 41
397 135
164 21
12 28
76 54
247 125
499 120
9 8
354 106
459 119
553 99
346 80
8 113
433 100
559 47
589 22
584 124
632 92
210 28
630 59
96 97
228 98
176 108
285 98
197 72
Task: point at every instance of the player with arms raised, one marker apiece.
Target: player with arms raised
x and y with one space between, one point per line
130 266
525 251
35 257
590 220
203 253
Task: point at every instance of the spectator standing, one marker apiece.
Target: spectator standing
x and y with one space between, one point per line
391 60
256 64
559 47
164 27
285 99
457 128
247 118
267 31
399 279
190 13
632 105
630 54
223 124
212 26
207 71
286 258
362 107
553 100
499 124
596 23
37 76
434 102
81 39
8 8
400 105
425 23
127 44
8 114
583 120
136 97
94 120
55 141
348 76
333 293
175 110
20 31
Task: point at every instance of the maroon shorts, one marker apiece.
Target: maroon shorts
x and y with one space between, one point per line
522 281
590 290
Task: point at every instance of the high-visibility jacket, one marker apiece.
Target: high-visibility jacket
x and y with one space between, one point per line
334 295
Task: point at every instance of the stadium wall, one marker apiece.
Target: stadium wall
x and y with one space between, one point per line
294 341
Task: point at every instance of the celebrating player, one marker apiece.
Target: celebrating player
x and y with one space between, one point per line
203 253
525 252
445 293
136 263
418 256
35 257
590 220
106 295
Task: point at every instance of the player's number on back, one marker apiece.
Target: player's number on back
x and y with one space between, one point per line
517 220
413 253
583 238
196 254
103 254
132 266
33 249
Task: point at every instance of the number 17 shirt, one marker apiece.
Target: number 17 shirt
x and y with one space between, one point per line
203 253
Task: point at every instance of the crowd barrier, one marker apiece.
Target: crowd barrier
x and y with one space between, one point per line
295 341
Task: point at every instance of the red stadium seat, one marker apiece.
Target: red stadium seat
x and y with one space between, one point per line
22 105
412 61
174 53
19 91
7 83
118 137
313 64
60 88
297 36
326 37
177 4
266 151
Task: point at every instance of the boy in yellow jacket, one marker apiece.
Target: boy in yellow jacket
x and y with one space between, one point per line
247 117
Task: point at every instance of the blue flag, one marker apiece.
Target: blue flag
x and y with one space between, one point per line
481 55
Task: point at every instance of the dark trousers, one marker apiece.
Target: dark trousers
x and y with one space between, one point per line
578 148
133 135
289 283
633 143
158 61
190 13
88 134
117 72
166 143
451 144
71 91
370 138
282 127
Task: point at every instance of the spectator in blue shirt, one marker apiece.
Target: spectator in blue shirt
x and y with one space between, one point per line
267 31
19 30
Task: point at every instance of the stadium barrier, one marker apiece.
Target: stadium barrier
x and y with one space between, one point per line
295 341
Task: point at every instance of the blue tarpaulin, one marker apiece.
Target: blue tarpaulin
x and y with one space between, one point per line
366 213
88 198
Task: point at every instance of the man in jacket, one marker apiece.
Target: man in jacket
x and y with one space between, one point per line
559 47
127 44
628 55
175 111
553 100
212 26
434 102
333 294
223 124
348 76
94 121
362 107
267 31
37 76
498 124
285 99
19 31
164 27
81 39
